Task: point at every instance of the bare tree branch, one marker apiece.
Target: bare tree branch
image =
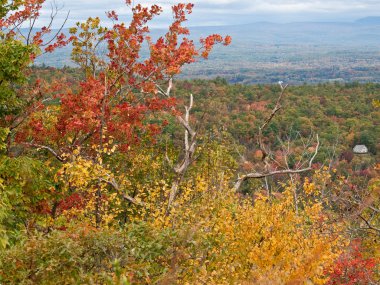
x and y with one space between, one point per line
53 152
116 186
274 111
257 175
369 224
59 30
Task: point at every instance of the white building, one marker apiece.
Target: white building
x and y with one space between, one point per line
360 149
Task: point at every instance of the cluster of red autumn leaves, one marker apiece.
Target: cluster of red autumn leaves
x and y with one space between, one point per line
122 93
30 12
30 9
352 267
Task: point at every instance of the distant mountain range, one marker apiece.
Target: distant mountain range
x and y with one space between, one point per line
345 47
369 21
365 31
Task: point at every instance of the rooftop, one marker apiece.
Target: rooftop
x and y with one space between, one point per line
360 149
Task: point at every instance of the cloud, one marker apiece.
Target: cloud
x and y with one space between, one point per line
219 12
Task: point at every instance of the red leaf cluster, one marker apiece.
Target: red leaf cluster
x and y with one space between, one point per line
352 268
21 11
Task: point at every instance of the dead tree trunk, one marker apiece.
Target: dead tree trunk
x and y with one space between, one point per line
190 143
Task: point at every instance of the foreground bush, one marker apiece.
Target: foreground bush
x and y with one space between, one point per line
217 239
86 256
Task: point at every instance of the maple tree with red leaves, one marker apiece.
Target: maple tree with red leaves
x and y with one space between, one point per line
121 90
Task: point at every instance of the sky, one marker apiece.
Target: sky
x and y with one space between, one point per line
226 12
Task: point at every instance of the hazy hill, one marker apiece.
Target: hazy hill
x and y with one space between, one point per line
369 21
297 52
361 33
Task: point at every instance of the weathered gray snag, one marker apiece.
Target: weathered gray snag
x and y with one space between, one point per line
190 144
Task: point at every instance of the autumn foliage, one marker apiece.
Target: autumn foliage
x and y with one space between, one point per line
353 268
89 165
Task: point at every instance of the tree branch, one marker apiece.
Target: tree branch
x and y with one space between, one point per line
190 142
53 152
369 224
258 175
114 185
274 111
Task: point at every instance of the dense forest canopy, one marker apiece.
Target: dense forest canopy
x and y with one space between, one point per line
117 172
